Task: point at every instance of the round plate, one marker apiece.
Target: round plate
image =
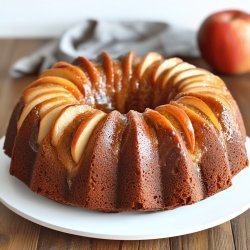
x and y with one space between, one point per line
124 226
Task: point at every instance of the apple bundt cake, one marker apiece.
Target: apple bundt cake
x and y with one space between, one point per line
126 134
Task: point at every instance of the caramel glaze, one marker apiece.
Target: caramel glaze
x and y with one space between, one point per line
138 157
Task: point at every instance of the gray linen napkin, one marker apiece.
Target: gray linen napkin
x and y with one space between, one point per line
90 38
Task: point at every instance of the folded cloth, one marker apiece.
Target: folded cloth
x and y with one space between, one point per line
91 37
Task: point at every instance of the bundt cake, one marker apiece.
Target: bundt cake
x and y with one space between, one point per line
126 134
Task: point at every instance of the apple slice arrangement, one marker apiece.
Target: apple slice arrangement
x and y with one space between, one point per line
62 94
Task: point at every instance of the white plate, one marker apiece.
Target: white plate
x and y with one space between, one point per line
125 226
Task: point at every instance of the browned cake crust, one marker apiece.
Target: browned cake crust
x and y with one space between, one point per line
131 134
12 129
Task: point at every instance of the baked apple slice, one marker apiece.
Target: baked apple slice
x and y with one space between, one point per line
69 72
128 63
183 87
205 88
89 68
37 100
200 83
157 117
175 70
198 105
47 121
83 134
183 120
147 61
164 66
158 78
188 73
176 80
58 81
216 98
206 79
47 105
108 68
31 93
66 116
112 79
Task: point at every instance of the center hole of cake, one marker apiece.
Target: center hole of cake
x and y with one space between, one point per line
138 101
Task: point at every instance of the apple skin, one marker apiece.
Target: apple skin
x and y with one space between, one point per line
224 41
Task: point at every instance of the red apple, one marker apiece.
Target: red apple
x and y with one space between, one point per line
224 41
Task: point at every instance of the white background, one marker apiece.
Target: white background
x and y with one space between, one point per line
46 18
